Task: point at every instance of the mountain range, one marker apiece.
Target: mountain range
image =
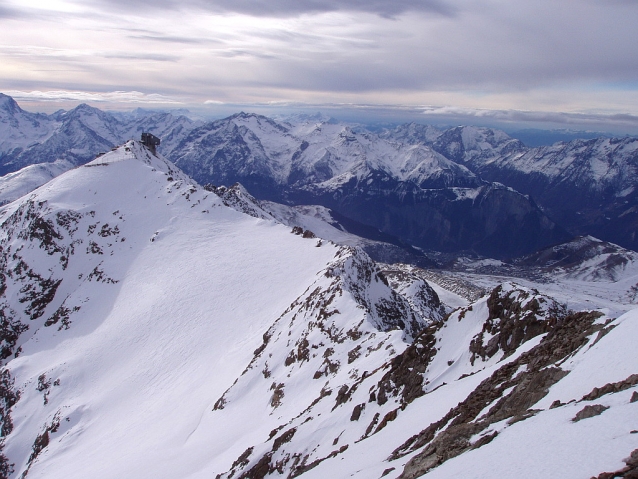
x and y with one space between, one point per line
587 186
463 190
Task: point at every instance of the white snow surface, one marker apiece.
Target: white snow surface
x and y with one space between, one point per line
194 332
19 183
145 358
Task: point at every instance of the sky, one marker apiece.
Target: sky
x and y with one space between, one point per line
553 63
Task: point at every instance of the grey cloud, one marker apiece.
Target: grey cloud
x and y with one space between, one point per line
7 12
80 56
99 97
158 57
581 120
159 36
170 39
241 52
291 8
314 41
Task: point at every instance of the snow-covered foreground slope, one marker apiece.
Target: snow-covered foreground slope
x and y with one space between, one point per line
148 330
463 401
132 298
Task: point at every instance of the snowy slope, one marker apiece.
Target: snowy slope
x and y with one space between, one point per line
19 183
474 386
133 298
151 331
315 220
159 276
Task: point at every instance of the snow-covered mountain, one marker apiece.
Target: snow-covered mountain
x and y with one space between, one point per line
149 330
406 190
76 136
262 153
99 255
466 145
20 129
432 189
587 186
587 258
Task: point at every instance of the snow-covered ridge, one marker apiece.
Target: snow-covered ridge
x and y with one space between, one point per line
127 272
311 151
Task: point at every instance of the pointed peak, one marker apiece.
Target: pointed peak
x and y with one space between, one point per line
8 104
136 150
84 109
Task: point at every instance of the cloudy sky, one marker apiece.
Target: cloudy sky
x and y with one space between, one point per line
557 62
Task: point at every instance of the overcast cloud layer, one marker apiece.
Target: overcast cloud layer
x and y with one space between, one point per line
578 57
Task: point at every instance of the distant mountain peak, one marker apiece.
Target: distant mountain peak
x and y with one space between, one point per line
9 105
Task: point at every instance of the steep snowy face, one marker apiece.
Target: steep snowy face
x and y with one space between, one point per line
313 360
467 145
413 134
284 155
132 298
172 129
475 146
587 186
594 164
226 151
76 136
102 124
